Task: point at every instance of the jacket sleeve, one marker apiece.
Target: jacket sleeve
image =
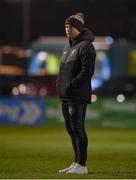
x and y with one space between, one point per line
87 60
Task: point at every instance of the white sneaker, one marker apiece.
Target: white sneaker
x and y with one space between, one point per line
67 169
78 169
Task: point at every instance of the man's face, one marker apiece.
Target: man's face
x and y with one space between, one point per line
71 32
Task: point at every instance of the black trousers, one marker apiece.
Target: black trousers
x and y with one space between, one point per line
74 116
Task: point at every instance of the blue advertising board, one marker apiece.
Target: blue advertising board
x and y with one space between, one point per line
22 110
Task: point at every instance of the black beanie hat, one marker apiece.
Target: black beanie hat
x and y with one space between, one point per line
76 21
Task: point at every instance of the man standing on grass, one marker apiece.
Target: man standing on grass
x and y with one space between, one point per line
74 87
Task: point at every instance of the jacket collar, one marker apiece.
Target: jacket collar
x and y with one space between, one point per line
86 34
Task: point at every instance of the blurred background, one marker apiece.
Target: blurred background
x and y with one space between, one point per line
32 38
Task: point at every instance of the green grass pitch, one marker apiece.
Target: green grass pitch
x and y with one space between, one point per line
39 152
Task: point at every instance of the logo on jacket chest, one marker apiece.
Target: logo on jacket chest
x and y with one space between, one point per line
72 53
69 56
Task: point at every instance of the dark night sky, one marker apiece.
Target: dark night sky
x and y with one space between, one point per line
105 17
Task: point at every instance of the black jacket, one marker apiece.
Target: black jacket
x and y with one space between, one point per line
76 69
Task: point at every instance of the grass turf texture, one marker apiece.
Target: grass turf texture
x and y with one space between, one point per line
39 152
